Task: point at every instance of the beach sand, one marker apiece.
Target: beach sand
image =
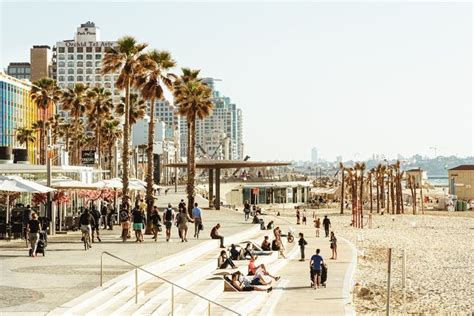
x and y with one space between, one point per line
440 260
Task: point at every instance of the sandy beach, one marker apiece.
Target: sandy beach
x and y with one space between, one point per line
440 257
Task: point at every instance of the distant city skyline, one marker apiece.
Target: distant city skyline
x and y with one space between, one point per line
351 79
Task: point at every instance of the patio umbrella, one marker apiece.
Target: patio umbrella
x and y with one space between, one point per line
66 183
117 183
10 184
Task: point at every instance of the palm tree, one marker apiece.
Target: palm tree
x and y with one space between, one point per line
157 65
137 110
111 132
75 101
99 108
126 59
25 135
41 128
45 93
193 99
55 122
342 169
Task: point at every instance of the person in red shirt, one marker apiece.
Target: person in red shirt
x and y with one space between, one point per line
258 270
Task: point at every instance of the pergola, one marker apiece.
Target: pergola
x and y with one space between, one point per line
217 165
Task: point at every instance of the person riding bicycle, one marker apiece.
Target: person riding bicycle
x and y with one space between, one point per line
86 221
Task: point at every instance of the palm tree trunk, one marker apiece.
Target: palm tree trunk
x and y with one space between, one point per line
388 193
370 193
392 192
401 193
111 148
342 193
126 133
361 200
149 174
98 142
191 163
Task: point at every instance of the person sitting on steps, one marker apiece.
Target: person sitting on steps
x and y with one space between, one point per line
223 261
245 286
215 234
266 246
258 272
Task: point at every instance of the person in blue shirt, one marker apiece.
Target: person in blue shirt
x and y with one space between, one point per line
315 265
197 216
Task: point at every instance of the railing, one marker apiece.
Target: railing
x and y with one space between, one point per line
173 285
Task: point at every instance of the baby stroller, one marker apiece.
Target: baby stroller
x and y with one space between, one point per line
324 274
42 243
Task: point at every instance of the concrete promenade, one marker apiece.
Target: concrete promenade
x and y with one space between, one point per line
39 285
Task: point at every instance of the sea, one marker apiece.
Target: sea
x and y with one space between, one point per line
438 180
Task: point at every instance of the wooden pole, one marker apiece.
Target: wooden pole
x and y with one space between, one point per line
388 279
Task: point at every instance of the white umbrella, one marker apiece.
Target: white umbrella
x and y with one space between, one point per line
18 184
143 183
117 183
67 183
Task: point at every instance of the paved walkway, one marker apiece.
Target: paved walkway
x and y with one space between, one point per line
67 271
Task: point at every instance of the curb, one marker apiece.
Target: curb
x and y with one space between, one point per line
349 280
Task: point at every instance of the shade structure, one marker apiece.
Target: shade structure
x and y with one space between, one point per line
66 183
143 183
228 164
18 184
117 184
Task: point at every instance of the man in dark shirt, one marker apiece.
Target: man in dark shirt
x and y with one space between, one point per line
33 227
327 225
95 228
215 234
315 266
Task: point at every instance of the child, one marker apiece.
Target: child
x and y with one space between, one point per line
302 243
317 225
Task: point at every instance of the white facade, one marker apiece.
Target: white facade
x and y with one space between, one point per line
80 60
218 136
314 155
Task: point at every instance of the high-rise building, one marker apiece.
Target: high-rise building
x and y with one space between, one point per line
218 136
19 70
18 110
40 60
80 60
314 155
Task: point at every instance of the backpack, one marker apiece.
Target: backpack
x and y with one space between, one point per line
169 215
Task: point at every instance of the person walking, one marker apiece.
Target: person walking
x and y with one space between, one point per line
168 217
181 205
103 216
95 229
182 220
304 217
125 221
138 224
315 265
302 243
317 225
197 216
333 242
215 234
155 219
327 225
297 216
246 210
33 228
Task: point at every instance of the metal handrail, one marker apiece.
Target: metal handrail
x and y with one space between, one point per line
161 278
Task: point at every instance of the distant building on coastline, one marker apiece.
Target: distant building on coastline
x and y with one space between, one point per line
314 155
461 182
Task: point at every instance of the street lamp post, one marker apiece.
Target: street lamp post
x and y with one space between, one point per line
49 204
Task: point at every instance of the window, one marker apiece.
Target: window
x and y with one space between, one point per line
70 71
80 57
80 71
27 70
80 64
13 70
70 57
80 78
97 70
61 57
88 49
62 64
98 56
80 49
98 49
89 56
98 78
61 49
88 78
21 70
107 78
61 71
70 64
70 49
116 92
98 63
70 78
89 71
108 85
61 78
88 64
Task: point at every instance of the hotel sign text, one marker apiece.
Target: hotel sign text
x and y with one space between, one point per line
89 44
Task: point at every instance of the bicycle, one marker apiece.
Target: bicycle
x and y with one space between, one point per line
86 238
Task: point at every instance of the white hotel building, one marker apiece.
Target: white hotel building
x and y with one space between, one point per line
80 60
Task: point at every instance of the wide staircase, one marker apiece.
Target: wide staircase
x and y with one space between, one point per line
186 283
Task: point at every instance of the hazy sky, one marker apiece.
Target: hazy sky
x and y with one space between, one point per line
351 79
